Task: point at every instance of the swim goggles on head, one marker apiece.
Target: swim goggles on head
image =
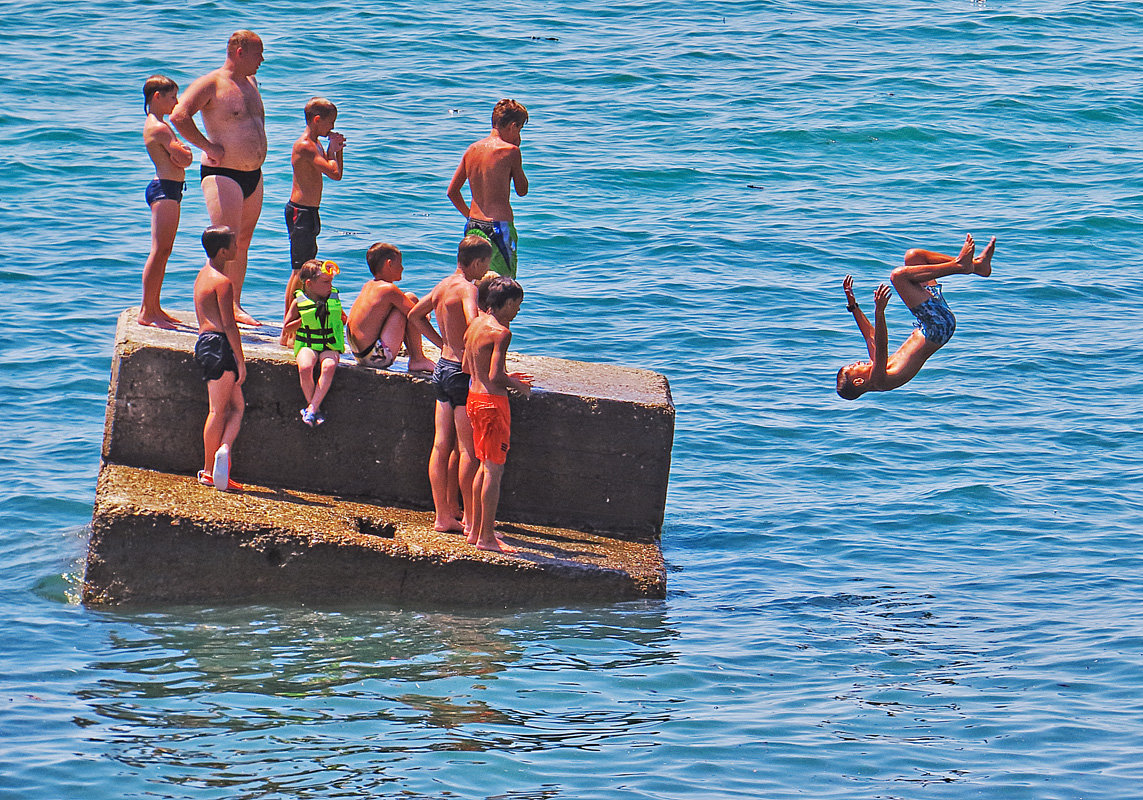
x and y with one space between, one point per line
330 268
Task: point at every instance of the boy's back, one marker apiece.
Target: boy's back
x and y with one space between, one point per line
454 303
489 165
212 291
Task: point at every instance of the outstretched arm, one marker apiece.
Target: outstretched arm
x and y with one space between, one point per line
880 352
859 317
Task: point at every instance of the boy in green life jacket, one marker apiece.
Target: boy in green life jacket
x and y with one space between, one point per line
317 323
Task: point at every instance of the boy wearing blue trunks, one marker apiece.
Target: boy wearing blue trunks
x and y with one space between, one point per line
491 167
916 283
453 300
219 352
311 163
317 323
164 194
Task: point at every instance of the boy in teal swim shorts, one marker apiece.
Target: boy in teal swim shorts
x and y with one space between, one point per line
916 282
491 167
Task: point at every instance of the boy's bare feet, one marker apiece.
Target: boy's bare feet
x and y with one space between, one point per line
422 365
448 526
242 318
966 253
983 265
160 320
496 546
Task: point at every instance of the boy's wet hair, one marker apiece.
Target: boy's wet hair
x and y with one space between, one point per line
846 389
493 293
508 111
156 83
319 106
473 248
310 270
378 254
215 238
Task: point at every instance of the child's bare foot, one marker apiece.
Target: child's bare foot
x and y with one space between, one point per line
159 320
966 252
496 546
447 525
983 265
421 365
242 318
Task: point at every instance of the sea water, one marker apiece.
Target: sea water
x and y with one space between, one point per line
931 593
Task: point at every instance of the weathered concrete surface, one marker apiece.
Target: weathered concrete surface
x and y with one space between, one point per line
158 537
590 449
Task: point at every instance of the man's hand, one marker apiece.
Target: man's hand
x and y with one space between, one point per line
214 154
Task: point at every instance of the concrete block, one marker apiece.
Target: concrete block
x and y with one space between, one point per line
590 450
163 538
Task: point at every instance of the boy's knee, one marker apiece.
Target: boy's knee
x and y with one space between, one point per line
900 275
914 256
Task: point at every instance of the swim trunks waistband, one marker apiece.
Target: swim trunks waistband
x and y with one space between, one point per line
247 179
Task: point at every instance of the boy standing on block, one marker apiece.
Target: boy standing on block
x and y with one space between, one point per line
164 194
311 162
453 300
219 352
317 323
485 349
378 322
492 166
916 282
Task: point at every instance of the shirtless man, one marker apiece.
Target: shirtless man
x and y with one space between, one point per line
453 300
219 352
231 168
485 352
378 321
492 166
916 283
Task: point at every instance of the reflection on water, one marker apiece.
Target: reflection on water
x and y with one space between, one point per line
223 697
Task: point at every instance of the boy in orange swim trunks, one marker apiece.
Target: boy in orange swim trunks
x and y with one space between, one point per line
485 347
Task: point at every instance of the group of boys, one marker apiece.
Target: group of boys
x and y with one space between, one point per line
472 422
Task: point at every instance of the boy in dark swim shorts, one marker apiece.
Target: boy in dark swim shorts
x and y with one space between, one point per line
164 194
916 282
219 352
311 162
454 302
485 351
491 167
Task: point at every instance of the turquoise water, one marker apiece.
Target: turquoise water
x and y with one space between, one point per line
933 593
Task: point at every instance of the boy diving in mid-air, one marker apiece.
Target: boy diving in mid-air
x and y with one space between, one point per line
916 283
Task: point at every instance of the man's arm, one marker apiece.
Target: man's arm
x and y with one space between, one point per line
859 317
194 100
519 179
459 178
880 354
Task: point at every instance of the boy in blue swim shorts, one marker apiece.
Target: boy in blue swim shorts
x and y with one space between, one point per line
492 167
916 283
164 194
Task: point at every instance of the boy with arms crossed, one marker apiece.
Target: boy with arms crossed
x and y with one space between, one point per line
219 352
378 320
310 162
485 349
317 323
491 167
164 194
453 300
916 282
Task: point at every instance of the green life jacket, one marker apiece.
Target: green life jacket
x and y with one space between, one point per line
319 332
